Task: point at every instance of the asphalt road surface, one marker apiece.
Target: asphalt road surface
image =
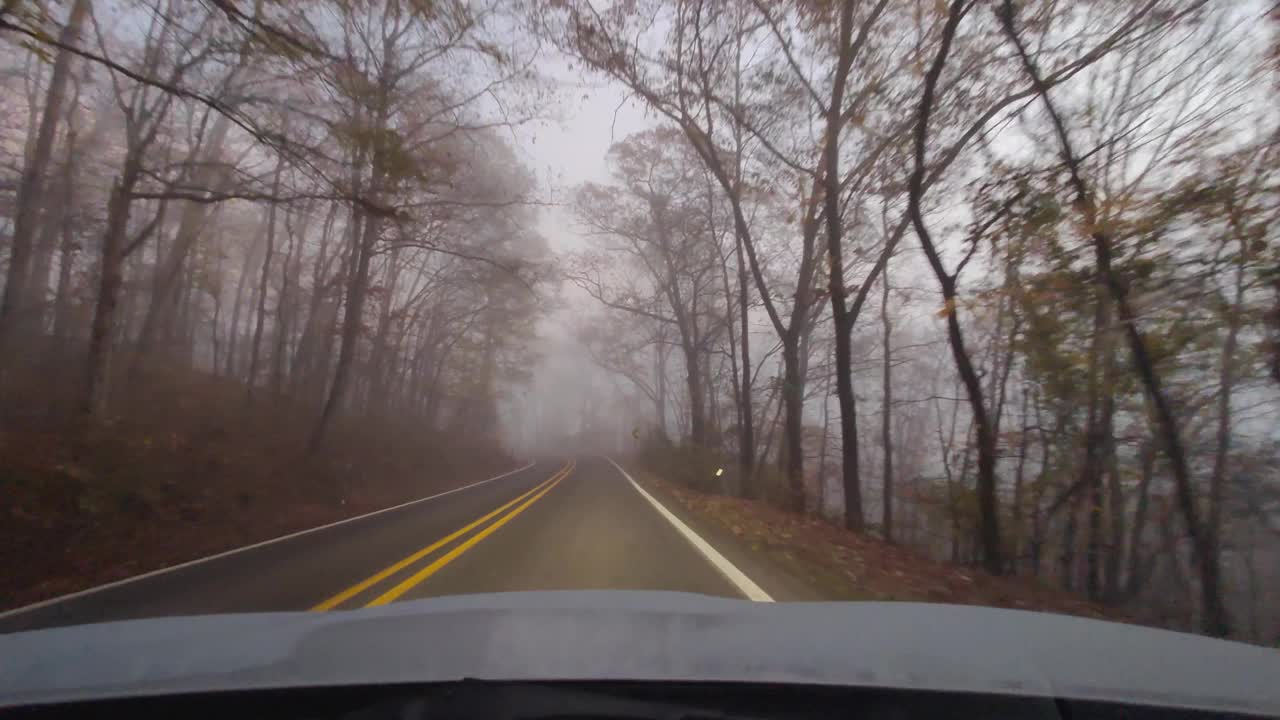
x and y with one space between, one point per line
555 525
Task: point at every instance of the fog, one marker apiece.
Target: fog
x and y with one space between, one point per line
994 288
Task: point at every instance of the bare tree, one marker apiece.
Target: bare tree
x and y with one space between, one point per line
14 305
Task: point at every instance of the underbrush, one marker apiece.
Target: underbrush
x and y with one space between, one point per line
692 466
709 470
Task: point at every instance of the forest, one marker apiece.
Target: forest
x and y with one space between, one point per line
995 281
315 202
262 263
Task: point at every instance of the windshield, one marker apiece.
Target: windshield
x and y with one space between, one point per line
335 305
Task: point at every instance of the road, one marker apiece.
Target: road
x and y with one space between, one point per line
555 525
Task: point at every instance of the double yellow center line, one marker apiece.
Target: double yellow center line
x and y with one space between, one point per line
520 504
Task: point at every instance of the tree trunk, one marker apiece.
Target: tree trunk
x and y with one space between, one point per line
379 364
1094 442
772 428
1136 576
287 305
1182 581
661 401
98 363
822 448
746 421
793 402
747 433
886 420
357 290
1068 560
1273 325
243 281
190 224
1003 367
216 346
831 188
733 481
713 402
300 370
67 250
957 538
319 359
1018 477
1254 591
31 187
946 444
988 518
988 536
1115 494
263 286
686 323
1222 440
42 259
186 327
697 407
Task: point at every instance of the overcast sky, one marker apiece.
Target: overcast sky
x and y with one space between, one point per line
565 152
591 114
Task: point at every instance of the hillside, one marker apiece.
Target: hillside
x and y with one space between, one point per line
187 468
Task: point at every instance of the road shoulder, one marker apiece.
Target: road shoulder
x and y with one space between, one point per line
798 558
772 568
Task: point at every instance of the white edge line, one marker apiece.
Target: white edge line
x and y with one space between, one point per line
730 571
233 551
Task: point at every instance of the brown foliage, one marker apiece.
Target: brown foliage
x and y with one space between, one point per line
183 470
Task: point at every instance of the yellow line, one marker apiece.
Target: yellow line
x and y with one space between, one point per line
363 585
448 557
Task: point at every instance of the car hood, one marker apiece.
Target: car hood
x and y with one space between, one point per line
609 635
